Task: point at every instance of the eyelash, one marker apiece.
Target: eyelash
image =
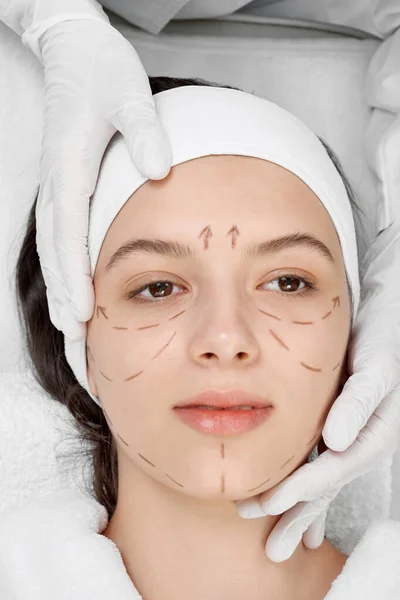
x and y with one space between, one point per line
309 287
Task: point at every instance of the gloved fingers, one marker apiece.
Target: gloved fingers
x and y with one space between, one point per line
130 107
148 146
289 530
360 396
68 179
315 534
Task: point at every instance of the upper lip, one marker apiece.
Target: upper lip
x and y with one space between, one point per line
225 399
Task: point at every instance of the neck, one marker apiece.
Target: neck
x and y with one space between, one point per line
177 546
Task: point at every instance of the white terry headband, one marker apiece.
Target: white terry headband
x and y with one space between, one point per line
204 120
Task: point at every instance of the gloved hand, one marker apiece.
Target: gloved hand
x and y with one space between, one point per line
363 425
95 84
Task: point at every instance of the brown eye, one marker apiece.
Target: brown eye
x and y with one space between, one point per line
289 284
153 292
160 289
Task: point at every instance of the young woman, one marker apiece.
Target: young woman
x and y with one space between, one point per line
234 287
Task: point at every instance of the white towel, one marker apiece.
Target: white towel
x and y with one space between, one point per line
51 549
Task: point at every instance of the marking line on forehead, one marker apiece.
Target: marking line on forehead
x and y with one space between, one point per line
175 249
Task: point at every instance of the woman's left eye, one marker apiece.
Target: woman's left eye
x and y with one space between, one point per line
288 284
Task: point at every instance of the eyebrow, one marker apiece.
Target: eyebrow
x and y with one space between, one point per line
174 249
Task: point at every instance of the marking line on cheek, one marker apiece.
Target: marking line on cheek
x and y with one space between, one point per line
284 464
222 483
163 348
105 376
310 368
311 441
115 327
303 322
126 443
147 326
254 488
278 339
102 310
269 314
173 480
336 366
327 315
133 376
150 463
174 317
336 300
90 353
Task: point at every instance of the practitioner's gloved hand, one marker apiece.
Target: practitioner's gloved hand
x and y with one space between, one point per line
95 84
363 425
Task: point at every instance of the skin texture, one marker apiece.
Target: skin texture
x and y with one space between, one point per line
225 321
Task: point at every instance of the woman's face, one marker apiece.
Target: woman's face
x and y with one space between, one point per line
219 318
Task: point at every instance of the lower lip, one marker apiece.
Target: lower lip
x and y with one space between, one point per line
223 422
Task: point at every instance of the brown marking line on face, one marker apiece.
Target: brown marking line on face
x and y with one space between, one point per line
133 376
166 474
336 366
278 339
115 327
147 326
102 310
303 322
105 376
234 231
174 317
310 368
222 483
207 234
336 300
141 456
327 314
90 353
126 443
284 464
107 417
311 441
159 352
258 486
223 450
269 314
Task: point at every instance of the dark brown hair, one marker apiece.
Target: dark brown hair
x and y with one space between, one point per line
45 347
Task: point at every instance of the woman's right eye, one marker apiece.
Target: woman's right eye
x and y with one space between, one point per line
164 288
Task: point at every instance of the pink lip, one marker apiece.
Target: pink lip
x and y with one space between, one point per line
225 399
223 422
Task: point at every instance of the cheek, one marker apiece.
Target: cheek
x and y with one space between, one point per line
308 352
124 354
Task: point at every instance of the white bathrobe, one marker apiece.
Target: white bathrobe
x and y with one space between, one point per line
52 549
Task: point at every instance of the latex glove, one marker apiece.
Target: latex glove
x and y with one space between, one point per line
363 425
95 84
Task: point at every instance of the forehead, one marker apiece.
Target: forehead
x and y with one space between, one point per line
262 198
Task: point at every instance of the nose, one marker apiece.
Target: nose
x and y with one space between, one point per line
224 336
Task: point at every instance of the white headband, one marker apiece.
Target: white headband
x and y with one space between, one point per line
204 120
